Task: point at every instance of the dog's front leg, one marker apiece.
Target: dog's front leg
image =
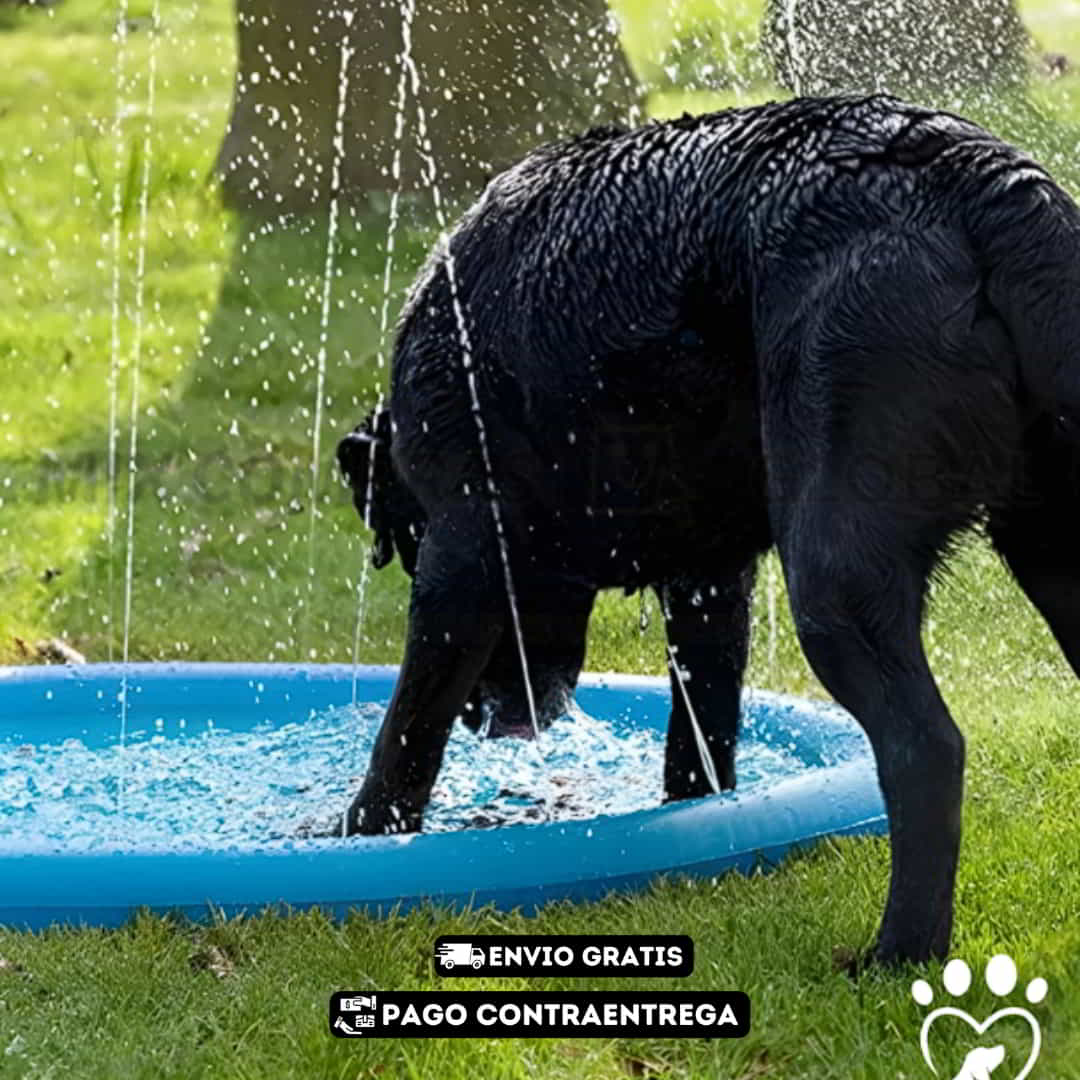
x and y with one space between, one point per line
708 632
456 617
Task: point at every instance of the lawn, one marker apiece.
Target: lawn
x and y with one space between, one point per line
242 552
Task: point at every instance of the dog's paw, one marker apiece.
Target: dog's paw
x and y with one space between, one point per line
381 816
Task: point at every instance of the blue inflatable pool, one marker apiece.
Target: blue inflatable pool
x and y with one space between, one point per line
59 710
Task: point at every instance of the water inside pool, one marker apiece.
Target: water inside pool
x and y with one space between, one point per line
219 789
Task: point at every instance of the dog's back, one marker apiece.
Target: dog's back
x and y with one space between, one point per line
585 270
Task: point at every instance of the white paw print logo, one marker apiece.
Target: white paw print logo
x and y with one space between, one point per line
1001 980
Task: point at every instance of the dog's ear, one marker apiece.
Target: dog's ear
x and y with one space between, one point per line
364 458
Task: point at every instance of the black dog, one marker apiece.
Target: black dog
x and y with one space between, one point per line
556 638
846 327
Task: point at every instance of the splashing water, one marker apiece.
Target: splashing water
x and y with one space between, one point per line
136 360
605 42
410 74
327 288
794 45
114 343
214 789
408 12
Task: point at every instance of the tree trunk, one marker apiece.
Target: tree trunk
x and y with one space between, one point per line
495 77
913 47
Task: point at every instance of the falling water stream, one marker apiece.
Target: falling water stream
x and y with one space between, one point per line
327 289
794 45
409 81
114 344
408 12
136 360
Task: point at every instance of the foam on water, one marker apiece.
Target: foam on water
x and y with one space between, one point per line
215 789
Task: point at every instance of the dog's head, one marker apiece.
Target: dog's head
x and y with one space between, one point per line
387 506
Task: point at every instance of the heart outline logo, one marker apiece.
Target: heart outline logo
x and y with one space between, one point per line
981 1029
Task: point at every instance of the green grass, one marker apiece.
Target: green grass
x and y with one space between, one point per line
224 547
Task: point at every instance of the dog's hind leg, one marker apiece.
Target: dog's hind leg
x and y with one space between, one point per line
856 586
554 619
1039 535
708 633
457 614
886 408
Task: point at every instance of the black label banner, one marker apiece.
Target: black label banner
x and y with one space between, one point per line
575 955
545 1014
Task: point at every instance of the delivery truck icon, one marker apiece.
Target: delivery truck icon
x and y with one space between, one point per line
461 954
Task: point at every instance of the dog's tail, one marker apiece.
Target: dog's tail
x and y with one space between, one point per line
1027 238
387 506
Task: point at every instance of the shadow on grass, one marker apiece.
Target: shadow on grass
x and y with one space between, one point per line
229 559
